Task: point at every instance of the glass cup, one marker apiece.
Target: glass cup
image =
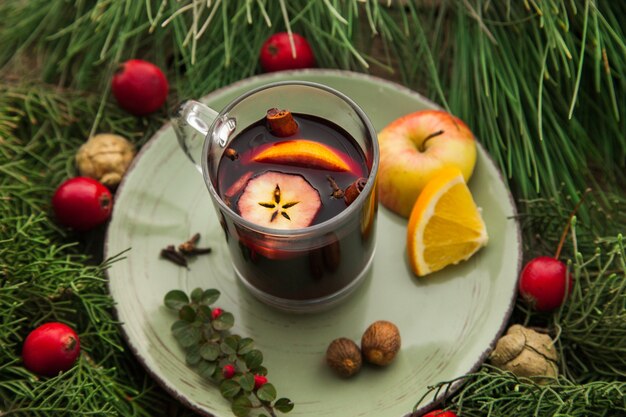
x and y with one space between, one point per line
300 270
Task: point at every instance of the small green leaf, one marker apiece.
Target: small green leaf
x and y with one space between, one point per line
176 299
211 335
259 370
245 345
192 356
229 345
241 406
208 331
209 351
204 313
206 369
179 326
187 313
210 296
254 358
229 388
266 393
246 381
284 405
196 295
224 322
189 336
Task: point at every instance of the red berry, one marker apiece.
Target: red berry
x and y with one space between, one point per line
543 283
277 55
50 348
216 312
228 371
140 87
259 381
440 413
82 203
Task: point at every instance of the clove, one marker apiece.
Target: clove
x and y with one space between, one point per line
172 255
185 249
231 154
190 248
337 192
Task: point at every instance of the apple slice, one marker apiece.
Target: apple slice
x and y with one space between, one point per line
304 153
280 201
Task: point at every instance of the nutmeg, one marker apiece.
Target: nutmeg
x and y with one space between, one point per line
105 157
344 357
380 343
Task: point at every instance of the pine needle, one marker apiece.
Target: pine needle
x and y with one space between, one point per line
491 392
592 325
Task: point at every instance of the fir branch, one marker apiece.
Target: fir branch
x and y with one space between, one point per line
42 282
532 136
543 220
492 392
592 325
45 275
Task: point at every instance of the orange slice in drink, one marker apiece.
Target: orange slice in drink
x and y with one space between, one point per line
304 153
445 226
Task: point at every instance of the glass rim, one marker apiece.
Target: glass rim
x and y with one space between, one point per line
320 228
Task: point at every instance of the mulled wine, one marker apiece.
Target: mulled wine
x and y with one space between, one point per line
293 172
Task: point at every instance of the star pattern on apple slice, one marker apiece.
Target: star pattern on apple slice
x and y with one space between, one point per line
278 206
279 201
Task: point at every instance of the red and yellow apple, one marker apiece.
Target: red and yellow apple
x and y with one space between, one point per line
414 148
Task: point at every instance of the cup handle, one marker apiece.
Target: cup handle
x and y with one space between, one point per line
191 124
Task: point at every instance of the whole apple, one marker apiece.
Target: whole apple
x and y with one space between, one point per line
414 148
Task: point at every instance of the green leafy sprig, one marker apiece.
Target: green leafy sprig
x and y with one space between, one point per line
228 360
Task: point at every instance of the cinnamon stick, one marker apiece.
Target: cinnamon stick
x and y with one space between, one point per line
281 122
354 189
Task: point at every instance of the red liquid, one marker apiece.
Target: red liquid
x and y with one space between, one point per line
284 270
257 138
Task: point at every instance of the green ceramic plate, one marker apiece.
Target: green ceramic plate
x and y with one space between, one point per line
448 322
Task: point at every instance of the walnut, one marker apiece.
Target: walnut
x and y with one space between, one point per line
105 157
526 353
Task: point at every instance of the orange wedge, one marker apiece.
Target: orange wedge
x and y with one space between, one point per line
445 226
304 153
